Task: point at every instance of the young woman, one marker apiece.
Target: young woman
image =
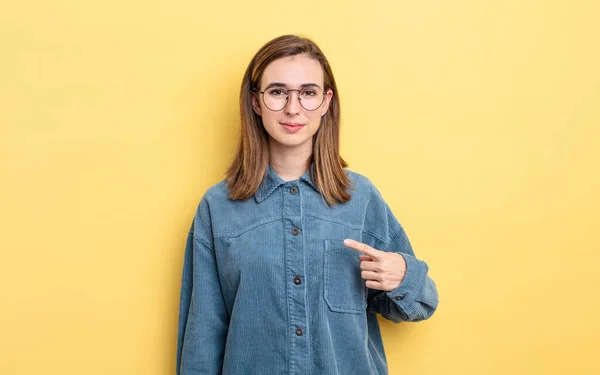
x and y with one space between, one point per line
290 258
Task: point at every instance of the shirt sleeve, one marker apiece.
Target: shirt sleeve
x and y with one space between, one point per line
203 317
416 297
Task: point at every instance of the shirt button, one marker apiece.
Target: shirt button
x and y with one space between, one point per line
295 231
299 331
399 298
294 190
297 280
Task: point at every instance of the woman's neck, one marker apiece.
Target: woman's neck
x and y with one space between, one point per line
290 164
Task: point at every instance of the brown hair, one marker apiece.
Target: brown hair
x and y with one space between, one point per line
250 163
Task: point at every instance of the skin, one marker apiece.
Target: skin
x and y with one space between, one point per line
290 153
381 270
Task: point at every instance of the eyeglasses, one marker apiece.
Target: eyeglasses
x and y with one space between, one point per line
276 98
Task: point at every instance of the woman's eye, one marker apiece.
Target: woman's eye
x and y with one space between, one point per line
309 93
276 92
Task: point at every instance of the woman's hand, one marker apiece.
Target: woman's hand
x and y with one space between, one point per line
382 270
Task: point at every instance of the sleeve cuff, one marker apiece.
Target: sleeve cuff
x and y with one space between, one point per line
407 293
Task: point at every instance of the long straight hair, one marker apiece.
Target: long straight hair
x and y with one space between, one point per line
249 166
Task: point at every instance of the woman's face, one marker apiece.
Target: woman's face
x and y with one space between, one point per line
293 126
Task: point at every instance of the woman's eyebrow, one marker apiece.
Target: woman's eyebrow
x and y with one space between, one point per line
276 84
283 85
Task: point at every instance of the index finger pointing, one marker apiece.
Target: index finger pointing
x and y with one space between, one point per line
363 248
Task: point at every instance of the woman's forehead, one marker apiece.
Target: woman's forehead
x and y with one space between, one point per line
293 71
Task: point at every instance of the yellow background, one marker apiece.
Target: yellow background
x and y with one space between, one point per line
479 121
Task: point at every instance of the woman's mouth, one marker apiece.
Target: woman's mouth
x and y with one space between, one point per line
292 127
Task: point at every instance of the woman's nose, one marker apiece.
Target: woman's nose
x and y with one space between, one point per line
293 104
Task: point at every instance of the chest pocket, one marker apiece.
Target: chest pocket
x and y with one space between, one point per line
344 288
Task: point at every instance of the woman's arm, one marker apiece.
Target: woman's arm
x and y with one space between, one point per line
416 297
203 318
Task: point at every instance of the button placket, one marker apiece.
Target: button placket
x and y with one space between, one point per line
295 268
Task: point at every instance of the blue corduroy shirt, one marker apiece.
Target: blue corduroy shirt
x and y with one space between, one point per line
269 288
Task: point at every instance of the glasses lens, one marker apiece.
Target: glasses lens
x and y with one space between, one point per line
311 98
276 99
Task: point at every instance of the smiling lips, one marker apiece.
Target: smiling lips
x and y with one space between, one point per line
292 127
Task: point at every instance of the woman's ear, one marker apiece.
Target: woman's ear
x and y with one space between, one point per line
256 105
325 106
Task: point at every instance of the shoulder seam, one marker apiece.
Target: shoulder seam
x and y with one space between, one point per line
202 241
374 236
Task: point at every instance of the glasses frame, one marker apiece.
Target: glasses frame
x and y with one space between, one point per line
287 101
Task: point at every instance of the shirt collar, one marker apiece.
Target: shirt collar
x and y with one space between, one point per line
272 181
